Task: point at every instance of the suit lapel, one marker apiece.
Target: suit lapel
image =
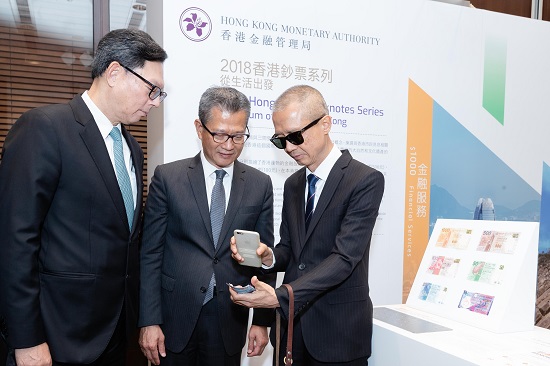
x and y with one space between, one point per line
96 146
235 198
198 186
296 203
335 176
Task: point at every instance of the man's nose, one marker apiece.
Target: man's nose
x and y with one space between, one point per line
289 147
228 144
156 102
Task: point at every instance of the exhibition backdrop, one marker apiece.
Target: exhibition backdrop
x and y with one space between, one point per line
478 84
449 102
346 52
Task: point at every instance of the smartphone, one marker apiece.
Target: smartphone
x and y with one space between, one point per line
242 290
247 243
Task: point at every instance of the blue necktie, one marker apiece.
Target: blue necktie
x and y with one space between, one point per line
311 181
122 175
217 213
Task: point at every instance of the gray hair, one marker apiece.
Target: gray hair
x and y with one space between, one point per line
310 99
225 98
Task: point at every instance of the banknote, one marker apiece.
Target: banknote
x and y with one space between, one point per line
485 272
433 293
449 267
443 266
443 237
476 302
436 264
424 290
486 241
457 238
498 242
437 294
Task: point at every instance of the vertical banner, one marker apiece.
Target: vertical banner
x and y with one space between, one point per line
417 183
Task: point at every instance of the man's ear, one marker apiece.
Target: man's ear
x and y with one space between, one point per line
327 124
113 72
198 127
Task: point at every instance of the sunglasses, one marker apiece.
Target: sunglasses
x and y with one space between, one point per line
295 138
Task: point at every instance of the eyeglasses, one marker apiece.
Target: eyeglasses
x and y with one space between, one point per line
294 138
155 92
220 138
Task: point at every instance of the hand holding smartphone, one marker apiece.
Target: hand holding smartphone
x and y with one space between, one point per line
247 242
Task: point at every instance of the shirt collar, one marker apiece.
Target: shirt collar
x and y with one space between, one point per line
323 170
105 126
210 169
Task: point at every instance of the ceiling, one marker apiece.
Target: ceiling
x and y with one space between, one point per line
59 16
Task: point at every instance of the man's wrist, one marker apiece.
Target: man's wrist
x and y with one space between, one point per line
265 266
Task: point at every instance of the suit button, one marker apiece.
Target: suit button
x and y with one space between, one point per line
203 289
301 267
216 260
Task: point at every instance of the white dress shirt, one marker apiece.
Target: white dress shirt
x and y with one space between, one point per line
322 172
105 126
210 179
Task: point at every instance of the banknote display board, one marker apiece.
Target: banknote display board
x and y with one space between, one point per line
479 272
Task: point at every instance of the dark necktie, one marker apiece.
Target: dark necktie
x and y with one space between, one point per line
122 175
217 212
311 181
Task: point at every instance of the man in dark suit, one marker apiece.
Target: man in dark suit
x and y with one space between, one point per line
324 254
70 212
185 309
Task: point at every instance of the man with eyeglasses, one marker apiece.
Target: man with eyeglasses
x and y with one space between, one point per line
185 309
329 212
71 191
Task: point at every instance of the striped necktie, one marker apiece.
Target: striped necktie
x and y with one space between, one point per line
217 213
311 181
122 175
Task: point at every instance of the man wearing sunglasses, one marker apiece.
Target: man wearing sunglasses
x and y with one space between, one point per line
329 211
186 313
71 191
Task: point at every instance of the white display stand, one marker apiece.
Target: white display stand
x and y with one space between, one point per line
472 301
459 345
482 273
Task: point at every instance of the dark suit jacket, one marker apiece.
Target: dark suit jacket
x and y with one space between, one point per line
327 266
178 257
68 261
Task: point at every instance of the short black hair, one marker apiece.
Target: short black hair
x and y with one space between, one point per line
131 47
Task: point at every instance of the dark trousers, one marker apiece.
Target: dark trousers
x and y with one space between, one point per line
205 348
302 357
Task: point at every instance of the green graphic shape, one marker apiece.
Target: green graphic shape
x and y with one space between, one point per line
494 77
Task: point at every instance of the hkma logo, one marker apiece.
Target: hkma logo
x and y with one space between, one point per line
195 24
